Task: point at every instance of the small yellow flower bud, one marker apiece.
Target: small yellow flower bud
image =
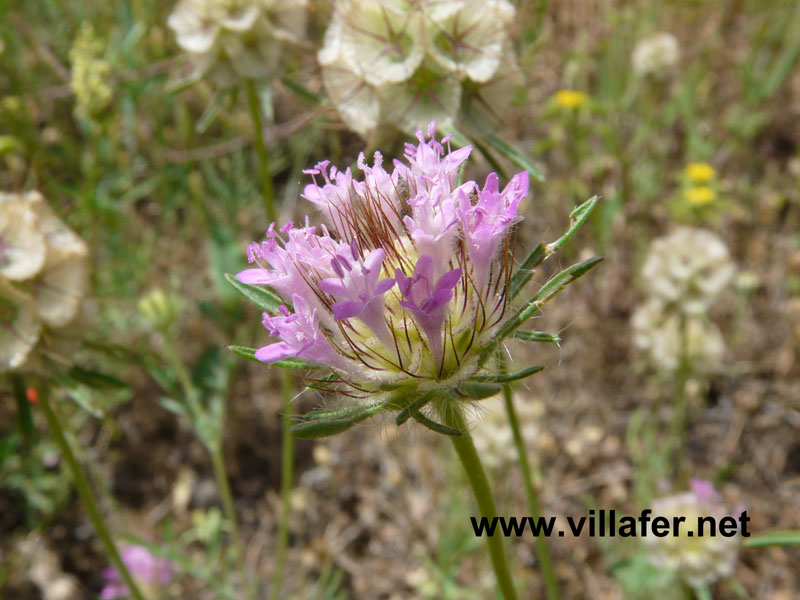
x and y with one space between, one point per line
699 196
570 98
700 172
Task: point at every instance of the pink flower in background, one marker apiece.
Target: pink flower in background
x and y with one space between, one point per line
148 570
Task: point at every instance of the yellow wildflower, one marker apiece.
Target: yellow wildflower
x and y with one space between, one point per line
700 172
700 195
570 98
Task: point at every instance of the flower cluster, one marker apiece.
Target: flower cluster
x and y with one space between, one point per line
686 272
43 274
699 560
231 40
655 55
405 281
399 63
150 572
699 184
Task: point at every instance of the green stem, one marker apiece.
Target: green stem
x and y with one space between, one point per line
87 498
542 551
287 476
680 408
261 150
453 417
221 476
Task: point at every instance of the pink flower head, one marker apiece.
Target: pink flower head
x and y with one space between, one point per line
150 571
428 300
405 281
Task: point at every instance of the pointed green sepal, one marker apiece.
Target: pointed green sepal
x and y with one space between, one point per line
525 271
264 300
511 376
538 336
405 414
545 294
325 423
576 218
543 251
433 425
478 390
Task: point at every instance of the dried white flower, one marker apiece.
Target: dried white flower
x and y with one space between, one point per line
657 331
699 560
22 248
469 38
688 269
46 286
228 40
403 64
19 326
655 55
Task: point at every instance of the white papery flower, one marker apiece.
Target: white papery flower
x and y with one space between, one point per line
698 560
657 331
466 40
689 268
655 54
430 95
492 434
19 326
486 102
228 40
51 294
22 249
383 40
353 96
402 63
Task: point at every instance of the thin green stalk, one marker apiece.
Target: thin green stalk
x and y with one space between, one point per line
542 551
454 417
221 475
87 498
680 407
261 150
287 476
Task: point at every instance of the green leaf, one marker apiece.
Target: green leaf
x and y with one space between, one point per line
511 376
538 336
433 425
478 390
543 251
211 111
515 156
576 218
775 538
286 363
545 294
318 424
264 300
95 379
525 271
